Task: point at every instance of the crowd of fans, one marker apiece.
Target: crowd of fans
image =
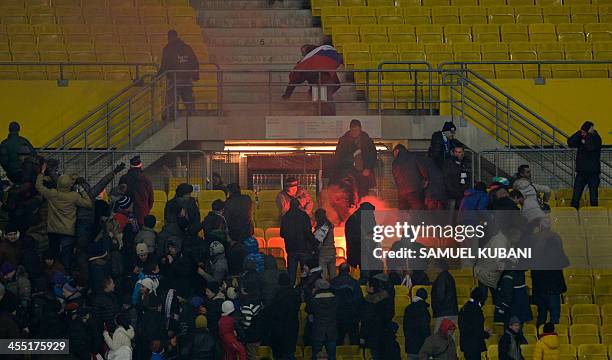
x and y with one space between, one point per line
97 273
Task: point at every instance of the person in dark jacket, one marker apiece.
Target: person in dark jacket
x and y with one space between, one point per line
83 335
512 298
588 162
443 295
474 200
269 277
456 177
282 317
176 270
441 345
214 220
548 283
179 58
323 307
356 156
214 300
106 306
202 344
139 188
411 177
376 316
9 149
442 144
300 243
471 325
352 231
435 192
416 324
350 300
238 213
510 343
183 204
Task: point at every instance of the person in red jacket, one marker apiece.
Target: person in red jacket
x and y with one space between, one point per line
227 333
139 189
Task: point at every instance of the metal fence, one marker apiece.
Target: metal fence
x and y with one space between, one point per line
553 167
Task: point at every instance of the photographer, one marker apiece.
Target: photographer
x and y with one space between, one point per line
63 204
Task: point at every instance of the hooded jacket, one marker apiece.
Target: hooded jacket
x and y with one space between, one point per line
63 205
454 182
177 55
296 230
444 296
323 308
121 340
347 146
9 150
416 325
146 236
547 347
531 207
588 158
269 280
439 346
140 190
440 148
510 345
471 326
377 313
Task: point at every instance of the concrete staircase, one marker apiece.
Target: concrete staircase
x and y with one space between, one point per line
246 36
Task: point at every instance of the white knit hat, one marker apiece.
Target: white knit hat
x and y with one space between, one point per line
227 308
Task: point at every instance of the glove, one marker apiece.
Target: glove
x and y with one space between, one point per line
119 168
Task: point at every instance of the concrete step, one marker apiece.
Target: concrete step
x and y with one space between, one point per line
257 18
252 4
254 94
250 111
210 32
256 67
292 50
261 41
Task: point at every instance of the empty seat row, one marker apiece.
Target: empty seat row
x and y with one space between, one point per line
317 5
470 33
466 15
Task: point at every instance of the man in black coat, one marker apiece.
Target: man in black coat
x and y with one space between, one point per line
238 211
588 164
442 144
356 155
376 316
471 325
179 57
202 344
282 317
350 299
456 177
411 177
300 243
443 295
106 306
416 324
352 232
323 307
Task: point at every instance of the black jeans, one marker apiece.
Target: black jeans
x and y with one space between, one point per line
582 180
184 91
471 355
348 328
292 265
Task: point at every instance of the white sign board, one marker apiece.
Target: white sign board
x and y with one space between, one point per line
318 127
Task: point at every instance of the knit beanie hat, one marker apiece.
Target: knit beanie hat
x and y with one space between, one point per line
124 202
422 293
449 126
201 322
227 307
141 249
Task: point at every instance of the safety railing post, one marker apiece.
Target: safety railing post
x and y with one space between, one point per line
174 101
188 167
430 86
462 89
130 123
508 120
496 120
379 84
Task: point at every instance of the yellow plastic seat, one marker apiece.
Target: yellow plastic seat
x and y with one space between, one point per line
417 15
445 15
272 232
593 351
152 15
362 15
586 314
380 52
21 33
594 215
550 51
343 34
520 2
501 15
352 3
494 52
556 14
584 334
355 53
460 3
570 32
567 352
528 14
473 15
42 15
598 32
86 72
181 15
379 3
333 15
429 33
457 33
411 51
484 33
407 3
364 78
390 15
470 52
576 2
605 13
584 14
317 5
381 95
373 34
401 33
565 214
14 15
492 352
514 33
437 53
